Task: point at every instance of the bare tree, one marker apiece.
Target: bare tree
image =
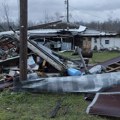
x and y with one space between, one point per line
6 14
57 16
46 17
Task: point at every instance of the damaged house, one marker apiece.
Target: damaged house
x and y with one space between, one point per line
61 39
85 38
99 40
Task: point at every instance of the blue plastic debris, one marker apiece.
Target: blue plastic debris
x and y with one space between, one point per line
73 72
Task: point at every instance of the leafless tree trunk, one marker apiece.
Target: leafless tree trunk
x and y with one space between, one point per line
6 14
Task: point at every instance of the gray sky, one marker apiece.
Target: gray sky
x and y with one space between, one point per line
50 10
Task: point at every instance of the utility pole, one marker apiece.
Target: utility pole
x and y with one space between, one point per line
67 3
68 11
23 39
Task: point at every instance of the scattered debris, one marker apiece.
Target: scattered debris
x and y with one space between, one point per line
112 65
53 113
67 75
5 84
97 69
73 72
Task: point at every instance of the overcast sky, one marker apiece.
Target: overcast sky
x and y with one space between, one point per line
80 10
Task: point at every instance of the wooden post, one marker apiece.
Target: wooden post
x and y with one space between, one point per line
23 39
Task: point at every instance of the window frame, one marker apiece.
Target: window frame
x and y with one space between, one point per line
107 42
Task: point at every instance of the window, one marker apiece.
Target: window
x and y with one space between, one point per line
107 41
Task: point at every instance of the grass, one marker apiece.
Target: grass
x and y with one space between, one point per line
28 106
97 56
103 56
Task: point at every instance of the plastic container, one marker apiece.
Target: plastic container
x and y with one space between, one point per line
74 72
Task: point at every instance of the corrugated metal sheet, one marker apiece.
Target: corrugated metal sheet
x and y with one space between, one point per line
87 83
106 104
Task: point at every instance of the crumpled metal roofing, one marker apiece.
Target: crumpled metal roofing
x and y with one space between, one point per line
41 31
87 83
107 104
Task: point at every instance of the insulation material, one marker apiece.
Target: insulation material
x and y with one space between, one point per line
31 64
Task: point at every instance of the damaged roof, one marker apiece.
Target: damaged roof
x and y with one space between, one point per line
91 32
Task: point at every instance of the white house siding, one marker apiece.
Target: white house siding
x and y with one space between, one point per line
113 43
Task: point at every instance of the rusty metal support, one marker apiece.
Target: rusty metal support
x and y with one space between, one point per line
23 39
82 59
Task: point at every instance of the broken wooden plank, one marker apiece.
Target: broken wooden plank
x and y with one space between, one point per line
53 113
113 69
